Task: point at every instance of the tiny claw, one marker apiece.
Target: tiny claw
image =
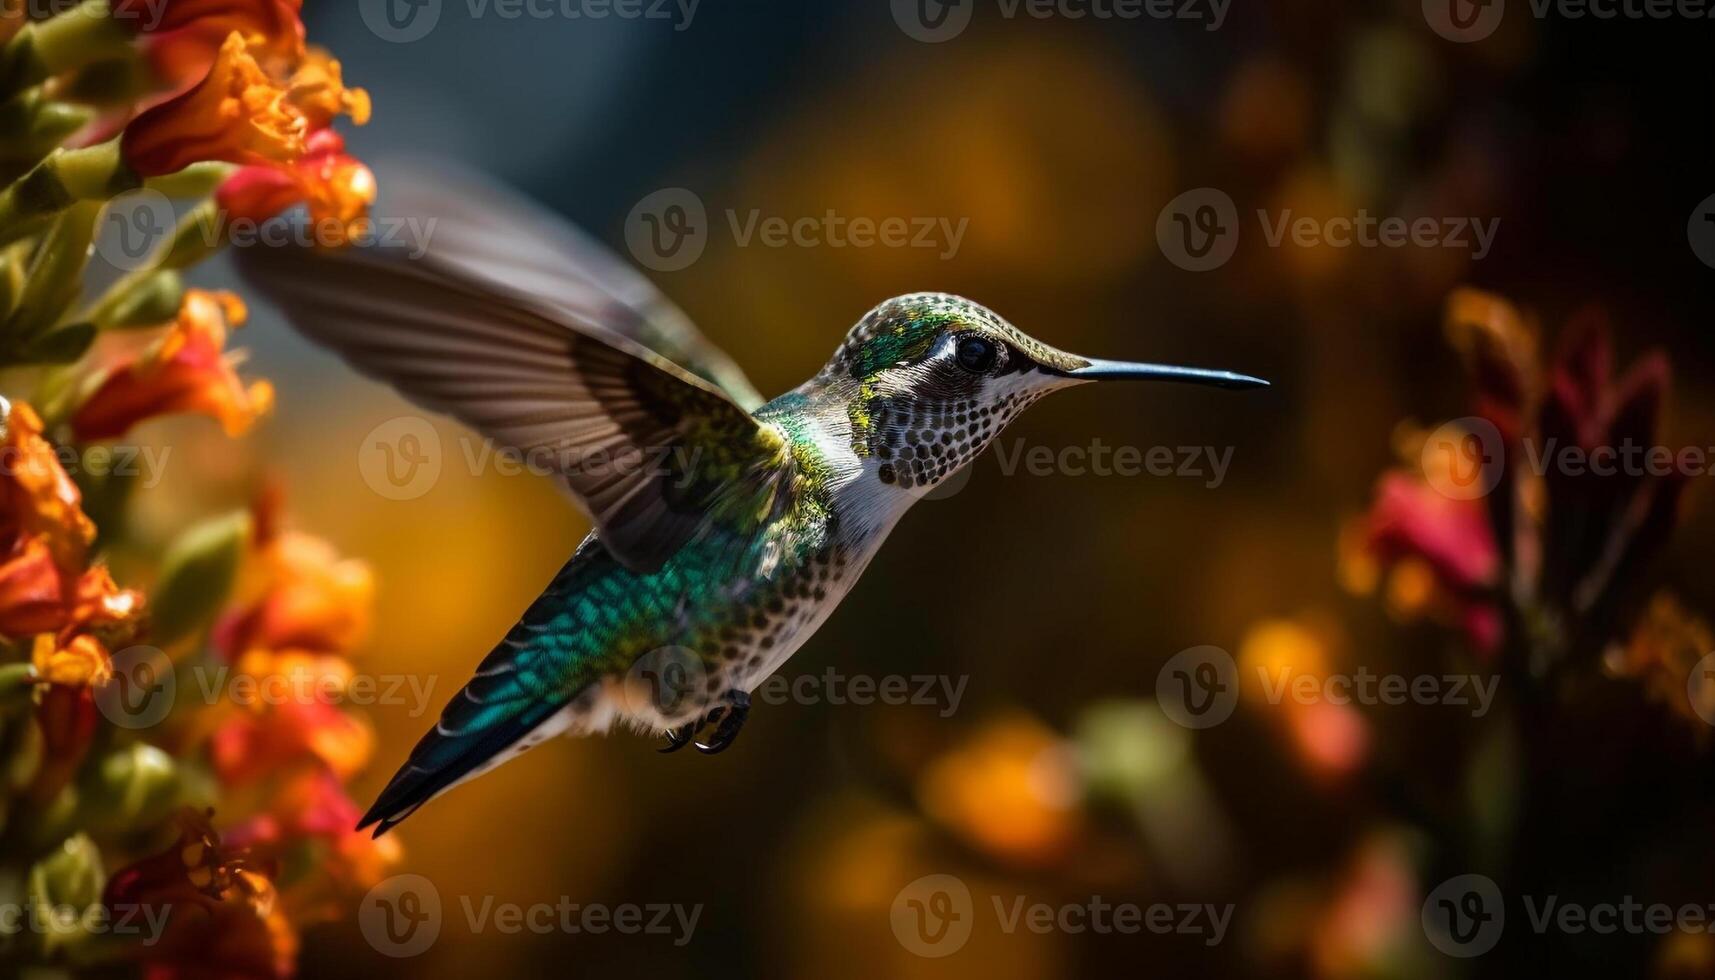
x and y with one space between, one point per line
678 738
726 732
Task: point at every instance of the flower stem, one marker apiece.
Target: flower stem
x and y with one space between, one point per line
196 237
90 173
85 34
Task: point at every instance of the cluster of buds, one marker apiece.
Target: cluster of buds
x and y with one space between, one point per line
198 839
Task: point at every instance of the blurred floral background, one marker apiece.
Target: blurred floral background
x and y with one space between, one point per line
1327 549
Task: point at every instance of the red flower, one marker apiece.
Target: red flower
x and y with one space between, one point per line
223 917
1555 543
337 188
187 371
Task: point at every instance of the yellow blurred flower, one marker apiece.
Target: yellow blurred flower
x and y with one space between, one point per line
81 663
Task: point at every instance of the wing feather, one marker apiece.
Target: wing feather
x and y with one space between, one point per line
652 451
477 228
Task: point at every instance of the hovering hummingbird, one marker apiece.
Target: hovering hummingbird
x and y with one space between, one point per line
727 528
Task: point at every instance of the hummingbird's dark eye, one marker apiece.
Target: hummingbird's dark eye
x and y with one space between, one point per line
975 354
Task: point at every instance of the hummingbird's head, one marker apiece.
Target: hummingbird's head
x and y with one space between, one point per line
929 379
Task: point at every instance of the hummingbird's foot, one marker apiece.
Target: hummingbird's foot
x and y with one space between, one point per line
678 738
727 719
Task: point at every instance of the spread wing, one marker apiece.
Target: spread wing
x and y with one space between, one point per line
474 226
654 453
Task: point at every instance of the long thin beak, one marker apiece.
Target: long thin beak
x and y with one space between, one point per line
1100 370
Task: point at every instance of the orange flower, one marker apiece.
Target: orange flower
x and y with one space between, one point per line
37 497
1010 790
249 745
243 113
319 93
312 601
101 607
237 113
337 188
81 663
186 371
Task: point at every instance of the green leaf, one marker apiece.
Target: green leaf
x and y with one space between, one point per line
63 346
197 575
152 302
70 878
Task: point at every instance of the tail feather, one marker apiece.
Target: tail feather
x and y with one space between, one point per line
525 691
456 750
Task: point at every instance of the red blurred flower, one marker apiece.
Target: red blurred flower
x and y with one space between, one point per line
313 810
336 187
223 917
217 18
267 738
1551 544
187 371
